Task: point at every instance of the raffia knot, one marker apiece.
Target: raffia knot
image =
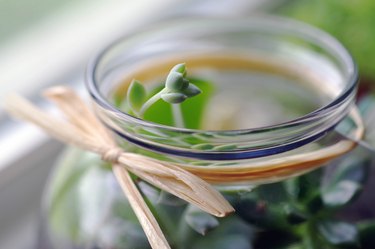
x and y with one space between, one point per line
83 129
111 154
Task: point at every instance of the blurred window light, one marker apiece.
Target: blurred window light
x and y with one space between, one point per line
49 42
44 41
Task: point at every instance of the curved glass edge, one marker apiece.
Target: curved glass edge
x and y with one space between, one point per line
313 33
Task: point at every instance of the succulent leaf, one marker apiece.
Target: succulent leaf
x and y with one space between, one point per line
294 216
314 204
192 90
261 214
304 187
175 81
338 233
226 241
352 168
186 83
341 194
136 95
179 68
173 98
346 181
200 221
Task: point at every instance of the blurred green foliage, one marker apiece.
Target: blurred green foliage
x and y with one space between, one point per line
351 21
302 212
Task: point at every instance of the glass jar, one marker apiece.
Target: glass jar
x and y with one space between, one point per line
277 91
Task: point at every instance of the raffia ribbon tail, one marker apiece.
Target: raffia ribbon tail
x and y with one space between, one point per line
82 129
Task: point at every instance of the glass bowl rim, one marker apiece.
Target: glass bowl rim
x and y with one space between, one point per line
287 24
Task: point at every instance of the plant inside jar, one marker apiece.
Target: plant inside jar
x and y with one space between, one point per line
177 89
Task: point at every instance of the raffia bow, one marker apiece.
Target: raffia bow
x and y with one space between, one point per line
83 130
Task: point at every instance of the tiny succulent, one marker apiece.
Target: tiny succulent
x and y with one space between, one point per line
176 90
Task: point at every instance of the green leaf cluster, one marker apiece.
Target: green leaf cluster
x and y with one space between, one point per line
173 110
303 212
176 90
161 111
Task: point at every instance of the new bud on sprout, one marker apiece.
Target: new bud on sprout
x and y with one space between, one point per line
191 90
179 87
176 90
175 82
180 68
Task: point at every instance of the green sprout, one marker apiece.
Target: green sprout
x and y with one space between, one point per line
177 89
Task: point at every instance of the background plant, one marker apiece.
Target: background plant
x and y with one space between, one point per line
304 212
351 22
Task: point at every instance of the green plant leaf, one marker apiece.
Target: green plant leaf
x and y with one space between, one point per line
294 216
161 112
231 241
175 82
119 233
305 186
261 214
314 203
341 194
366 105
367 234
173 98
276 239
232 233
180 68
345 182
367 109
166 198
272 193
339 233
200 221
66 213
136 95
353 168
192 90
